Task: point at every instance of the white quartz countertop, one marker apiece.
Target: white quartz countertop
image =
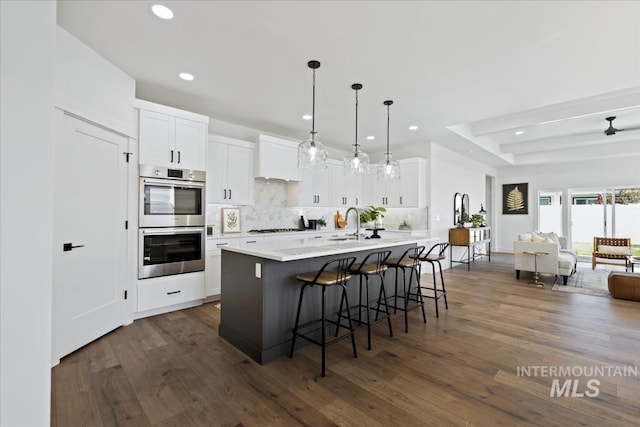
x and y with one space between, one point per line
295 249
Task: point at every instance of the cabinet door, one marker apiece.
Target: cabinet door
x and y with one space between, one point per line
339 186
190 145
307 188
356 191
323 187
157 139
212 283
216 173
409 185
240 179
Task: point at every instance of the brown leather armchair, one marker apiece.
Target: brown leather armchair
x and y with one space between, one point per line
624 285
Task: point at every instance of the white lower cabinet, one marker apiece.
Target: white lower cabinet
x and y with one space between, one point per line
164 291
213 261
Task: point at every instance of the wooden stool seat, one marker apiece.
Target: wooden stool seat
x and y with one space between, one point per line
326 278
369 269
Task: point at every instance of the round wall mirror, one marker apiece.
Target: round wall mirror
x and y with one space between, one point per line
457 208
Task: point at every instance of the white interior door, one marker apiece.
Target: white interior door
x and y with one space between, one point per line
90 201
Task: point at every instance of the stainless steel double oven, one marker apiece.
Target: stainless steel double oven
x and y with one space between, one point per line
172 221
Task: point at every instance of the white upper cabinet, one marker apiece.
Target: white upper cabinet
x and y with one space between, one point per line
313 190
346 190
407 192
230 171
172 138
277 158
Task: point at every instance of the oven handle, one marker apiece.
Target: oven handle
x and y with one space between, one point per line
173 183
181 230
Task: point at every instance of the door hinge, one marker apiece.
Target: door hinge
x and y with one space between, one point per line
126 225
125 294
126 155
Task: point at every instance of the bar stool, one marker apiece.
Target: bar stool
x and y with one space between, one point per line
333 272
372 265
435 254
409 260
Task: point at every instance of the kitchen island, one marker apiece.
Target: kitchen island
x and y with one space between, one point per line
260 292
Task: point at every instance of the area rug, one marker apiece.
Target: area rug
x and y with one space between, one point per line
586 281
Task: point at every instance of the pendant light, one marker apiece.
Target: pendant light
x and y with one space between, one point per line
388 168
358 164
311 153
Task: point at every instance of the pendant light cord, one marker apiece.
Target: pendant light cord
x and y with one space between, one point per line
388 134
356 144
313 110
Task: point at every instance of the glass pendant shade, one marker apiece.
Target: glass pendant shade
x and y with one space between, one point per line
312 154
358 162
388 168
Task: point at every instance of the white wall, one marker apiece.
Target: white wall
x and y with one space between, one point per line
450 173
28 35
616 172
89 86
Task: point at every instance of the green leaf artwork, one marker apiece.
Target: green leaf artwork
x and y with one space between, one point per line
232 220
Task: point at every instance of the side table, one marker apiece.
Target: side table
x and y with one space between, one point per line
630 261
536 278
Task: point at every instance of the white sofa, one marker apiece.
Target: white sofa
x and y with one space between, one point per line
560 261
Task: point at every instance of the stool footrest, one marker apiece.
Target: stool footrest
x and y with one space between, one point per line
333 340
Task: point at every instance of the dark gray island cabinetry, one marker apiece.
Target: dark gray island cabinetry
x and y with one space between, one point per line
259 289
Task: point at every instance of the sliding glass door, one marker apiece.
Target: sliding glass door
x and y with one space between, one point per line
604 212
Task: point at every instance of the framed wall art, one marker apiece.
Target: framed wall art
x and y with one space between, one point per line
230 220
515 199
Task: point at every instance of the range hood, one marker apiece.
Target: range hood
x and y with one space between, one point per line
276 158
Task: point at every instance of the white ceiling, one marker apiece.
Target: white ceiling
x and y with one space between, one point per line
469 74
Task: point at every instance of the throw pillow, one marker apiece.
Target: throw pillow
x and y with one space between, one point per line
552 236
536 238
613 250
524 237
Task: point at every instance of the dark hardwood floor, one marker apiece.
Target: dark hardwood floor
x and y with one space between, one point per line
460 369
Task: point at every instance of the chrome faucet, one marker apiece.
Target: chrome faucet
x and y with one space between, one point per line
346 218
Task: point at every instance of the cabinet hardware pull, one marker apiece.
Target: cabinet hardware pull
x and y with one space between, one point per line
317 237
356 201
229 194
221 244
400 199
171 156
178 156
251 241
225 194
173 292
69 246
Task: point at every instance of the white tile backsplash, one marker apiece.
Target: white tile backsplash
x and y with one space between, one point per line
271 211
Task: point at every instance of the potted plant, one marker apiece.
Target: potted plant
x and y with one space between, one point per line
477 220
321 222
371 214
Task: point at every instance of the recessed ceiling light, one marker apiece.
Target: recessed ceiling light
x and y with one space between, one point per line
186 76
307 117
162 11
519 132
413 127
371 137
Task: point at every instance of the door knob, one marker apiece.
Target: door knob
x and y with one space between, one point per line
69 246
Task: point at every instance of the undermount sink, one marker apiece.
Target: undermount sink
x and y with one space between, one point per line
342 238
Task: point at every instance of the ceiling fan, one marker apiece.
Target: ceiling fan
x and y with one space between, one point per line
611 130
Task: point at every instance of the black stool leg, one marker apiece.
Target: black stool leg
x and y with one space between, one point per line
295 327
419 292
353 338
406 296
435 288
395 292
366 278
383 297
444 290
340 316
323 331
